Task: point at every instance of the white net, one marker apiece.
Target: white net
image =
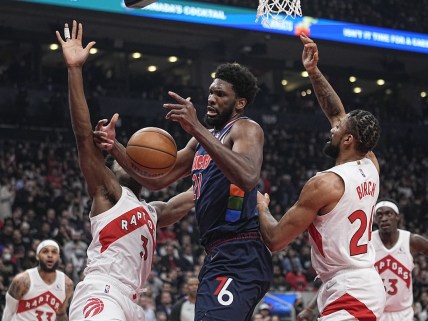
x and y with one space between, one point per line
277 10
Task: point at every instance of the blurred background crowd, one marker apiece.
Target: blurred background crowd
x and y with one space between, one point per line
42 192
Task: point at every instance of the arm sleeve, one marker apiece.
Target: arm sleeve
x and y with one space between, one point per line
10 308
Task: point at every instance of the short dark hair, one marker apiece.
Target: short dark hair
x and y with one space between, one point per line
243 81
365 127
109 161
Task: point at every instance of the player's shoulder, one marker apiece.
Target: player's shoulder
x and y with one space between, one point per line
20 285
326 181
69 284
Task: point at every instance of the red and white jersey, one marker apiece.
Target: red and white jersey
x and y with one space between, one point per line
340 239
124 241
395 267
42 300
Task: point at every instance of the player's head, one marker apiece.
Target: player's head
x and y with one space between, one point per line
359 129
387 216
123 177
233 88
192 286
47 254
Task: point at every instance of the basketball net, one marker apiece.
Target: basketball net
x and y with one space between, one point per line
277 10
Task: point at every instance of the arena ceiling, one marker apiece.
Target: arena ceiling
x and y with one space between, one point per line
23 23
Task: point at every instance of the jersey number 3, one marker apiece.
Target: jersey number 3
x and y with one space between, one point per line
354 247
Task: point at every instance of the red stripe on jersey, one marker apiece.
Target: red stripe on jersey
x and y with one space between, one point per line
352 305
125 224
317 237
45 298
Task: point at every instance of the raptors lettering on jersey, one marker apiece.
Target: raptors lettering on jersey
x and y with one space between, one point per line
46 298
390 263
125 224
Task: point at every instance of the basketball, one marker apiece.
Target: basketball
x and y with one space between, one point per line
152 152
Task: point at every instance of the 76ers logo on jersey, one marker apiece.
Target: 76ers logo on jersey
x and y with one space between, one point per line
224 296
93 307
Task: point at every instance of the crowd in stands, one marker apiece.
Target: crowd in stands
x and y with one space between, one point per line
394 14
42 195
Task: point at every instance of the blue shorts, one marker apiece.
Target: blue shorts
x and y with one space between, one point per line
235 276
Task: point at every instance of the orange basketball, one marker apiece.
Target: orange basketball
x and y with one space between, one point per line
152 152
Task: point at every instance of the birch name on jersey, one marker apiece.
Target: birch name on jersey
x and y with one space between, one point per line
366 189
390 263
125 224
46 298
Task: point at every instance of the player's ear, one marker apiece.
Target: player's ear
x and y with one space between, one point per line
240 104
348 139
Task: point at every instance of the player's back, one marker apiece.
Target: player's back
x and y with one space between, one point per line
123 242
340 239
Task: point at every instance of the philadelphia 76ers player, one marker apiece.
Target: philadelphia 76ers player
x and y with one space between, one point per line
123 227
336 206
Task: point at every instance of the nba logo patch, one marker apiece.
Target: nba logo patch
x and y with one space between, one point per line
107 289
362 173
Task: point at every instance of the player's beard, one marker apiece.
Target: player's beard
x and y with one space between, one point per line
331 150
219 120
44 267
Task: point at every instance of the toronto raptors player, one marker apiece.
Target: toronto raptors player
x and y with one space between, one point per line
395 249
123 227
40 293
336 206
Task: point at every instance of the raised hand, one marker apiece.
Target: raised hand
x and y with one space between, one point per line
183 112
263 199
105 133
74 53
310 53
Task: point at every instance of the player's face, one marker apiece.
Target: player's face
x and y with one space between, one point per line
386 219
222 100
48 258
332 146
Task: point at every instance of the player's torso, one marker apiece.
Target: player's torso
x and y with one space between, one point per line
340 239
395 267
42 301
221 208
124 241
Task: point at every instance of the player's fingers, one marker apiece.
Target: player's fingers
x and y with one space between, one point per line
177 97
74 30
79 31
90 45
173 106
58 36
100 124
114 119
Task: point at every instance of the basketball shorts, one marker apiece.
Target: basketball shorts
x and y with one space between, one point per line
235 276
352 295
99 298
403 315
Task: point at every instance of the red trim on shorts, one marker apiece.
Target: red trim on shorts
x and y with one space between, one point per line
317 237
352 305
240 236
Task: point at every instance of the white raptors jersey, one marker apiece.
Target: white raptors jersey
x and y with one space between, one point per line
123 241
395 266
340 239
42 300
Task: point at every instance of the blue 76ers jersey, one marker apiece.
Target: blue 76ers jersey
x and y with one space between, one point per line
222 209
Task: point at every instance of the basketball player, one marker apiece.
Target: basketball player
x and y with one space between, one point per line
225 164
40 293
395 249
336 206
123 227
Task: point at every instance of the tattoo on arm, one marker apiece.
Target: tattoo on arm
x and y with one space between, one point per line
327 97
19 286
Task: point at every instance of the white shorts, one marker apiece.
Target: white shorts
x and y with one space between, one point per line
403 315
352 295
98 298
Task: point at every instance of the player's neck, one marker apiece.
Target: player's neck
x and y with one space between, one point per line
47 277
389 239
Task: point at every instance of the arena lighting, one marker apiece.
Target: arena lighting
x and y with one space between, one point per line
423 94
305 74
388 91
93 51
352 79
213 75
380 82
136 55
53 46
172 59
308 91
357 90
284 82
152 68
303 93
242 18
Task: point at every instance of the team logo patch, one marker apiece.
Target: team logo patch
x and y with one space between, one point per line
93 307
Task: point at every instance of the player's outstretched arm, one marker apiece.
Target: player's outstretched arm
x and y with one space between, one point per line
320 191
175 209
17 289
91 160
328 99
